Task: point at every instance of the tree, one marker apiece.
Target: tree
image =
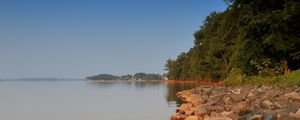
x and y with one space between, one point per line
246 35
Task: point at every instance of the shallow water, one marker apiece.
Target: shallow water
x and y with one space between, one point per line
83 100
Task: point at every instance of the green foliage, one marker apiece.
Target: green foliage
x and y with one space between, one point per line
253 36
144 76
235 78
266 67
292 79
102 77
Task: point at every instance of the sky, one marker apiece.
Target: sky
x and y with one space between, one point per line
79 38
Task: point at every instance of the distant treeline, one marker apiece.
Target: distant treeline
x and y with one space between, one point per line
256 37
137 76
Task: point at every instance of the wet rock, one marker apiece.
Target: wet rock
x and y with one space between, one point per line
187 109
184 108
191 111
177 117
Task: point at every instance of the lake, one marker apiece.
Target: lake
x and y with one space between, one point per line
83 100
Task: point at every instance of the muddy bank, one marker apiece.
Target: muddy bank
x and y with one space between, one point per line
239 103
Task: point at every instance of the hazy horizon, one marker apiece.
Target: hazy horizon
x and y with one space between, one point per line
75 39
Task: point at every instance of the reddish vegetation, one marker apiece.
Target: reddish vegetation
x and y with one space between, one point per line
200 82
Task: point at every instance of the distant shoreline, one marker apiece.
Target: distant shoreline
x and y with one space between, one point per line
43 79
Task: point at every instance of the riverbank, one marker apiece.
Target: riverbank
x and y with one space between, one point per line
200 82
244 103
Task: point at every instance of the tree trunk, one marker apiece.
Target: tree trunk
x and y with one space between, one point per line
286 67
225 62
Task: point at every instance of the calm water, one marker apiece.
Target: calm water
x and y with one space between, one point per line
82 100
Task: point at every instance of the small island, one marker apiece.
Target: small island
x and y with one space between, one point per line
136 76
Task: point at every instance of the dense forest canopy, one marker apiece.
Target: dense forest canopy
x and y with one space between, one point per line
258 37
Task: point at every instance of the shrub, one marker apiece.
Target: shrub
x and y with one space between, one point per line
267 67
235 78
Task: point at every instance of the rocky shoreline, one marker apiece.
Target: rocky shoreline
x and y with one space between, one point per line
239 103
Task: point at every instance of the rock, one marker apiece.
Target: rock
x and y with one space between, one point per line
296 99
177 117
268 104
260 89
227 100
278 105
194 98
198 102
227 107
269 117
278 117
201 112
295 96
296 115
270 94
250 94
257 117
191 111
226 113
292 94
187 109
238 98
184 108
184 95
193 117
281 102
236 91
214 114
240 106
212 102
247 102
216 108
217 118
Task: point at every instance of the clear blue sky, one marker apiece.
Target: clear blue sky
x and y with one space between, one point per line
77 38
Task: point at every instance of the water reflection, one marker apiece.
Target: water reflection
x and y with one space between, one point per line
86 100
173 88
170 88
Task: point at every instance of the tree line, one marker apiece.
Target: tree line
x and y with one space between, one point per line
136 76
257 37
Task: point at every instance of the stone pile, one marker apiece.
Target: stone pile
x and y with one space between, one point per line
239 103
